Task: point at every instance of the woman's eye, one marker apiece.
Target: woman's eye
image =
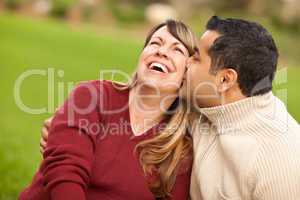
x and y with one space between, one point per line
154 43
179 50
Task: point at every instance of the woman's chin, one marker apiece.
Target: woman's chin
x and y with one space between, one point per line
151 82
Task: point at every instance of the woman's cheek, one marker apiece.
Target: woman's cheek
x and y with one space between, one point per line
182 65
146 52
151 49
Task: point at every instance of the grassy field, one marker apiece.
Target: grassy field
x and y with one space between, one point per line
27 44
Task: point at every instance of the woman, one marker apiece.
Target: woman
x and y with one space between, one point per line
91 155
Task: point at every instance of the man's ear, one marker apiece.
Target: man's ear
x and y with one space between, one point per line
226 78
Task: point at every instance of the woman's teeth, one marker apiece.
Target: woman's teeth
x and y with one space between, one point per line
159 67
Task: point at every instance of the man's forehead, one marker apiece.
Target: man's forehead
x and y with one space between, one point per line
208 38
210 34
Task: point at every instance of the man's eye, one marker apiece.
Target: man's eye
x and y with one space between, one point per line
196 57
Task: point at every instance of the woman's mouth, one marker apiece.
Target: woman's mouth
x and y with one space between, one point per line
159 67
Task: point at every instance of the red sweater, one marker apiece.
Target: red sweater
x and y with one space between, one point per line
90 151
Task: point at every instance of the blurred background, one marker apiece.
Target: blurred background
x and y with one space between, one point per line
72 40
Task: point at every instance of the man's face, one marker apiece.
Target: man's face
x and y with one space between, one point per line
199 87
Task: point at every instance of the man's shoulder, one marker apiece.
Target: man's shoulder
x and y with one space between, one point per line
281 147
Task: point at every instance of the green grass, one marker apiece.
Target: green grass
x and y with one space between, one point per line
28 44
40 44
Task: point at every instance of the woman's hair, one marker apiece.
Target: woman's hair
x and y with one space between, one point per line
166 150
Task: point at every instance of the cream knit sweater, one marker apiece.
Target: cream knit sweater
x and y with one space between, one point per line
246 150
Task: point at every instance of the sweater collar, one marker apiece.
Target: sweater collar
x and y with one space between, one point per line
238 114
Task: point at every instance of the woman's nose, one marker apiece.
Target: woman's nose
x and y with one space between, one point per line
162 51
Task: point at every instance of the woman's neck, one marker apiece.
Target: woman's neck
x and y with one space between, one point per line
147 107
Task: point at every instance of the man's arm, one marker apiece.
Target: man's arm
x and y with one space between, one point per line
44 134
276 171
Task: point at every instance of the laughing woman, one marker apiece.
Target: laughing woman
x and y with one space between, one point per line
124 142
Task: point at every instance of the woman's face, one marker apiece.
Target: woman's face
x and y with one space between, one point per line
162 63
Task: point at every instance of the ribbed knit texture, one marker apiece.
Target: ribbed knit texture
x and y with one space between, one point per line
246 150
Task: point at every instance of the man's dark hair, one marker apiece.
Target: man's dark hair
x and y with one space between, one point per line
249 49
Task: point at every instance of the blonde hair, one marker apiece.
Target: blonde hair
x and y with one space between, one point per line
166 150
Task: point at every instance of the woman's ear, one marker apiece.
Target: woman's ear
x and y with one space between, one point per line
226 78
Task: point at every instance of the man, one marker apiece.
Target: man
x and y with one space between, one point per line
246 144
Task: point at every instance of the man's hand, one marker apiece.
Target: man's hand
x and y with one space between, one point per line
44 134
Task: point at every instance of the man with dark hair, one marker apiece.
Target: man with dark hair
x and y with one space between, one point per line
243 44
246 144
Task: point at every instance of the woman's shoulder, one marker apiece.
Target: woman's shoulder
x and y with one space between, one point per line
101 85
105 93
98 86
